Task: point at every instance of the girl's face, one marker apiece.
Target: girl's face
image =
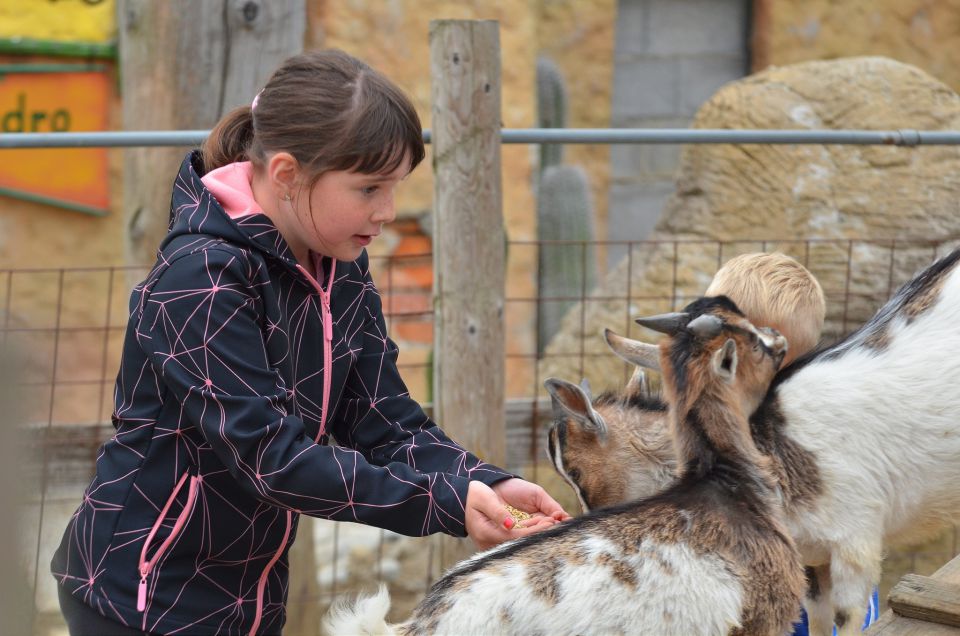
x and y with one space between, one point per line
345 210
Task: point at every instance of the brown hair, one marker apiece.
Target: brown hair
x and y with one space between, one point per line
330 111
774 290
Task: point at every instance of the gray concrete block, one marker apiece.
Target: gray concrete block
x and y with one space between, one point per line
631 27
701 76
634 210
695 26
626 161
644 87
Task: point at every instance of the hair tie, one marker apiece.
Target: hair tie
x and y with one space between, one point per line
256 100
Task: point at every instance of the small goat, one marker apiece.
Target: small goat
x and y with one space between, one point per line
863 436
708 556
595 445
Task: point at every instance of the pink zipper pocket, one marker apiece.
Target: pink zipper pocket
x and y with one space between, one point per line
146 566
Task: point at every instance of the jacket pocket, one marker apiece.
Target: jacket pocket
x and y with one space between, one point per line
146 564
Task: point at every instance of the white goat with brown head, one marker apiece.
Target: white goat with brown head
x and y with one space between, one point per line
864 438
707 556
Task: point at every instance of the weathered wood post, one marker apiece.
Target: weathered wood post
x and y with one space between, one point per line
183 65
469 244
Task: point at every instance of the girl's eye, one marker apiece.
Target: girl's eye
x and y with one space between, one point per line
369 190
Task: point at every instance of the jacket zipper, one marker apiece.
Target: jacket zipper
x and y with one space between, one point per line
327 320
146 565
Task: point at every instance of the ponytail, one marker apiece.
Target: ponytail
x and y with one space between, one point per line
230 140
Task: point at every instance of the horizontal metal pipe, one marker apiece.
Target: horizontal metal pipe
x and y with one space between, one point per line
903 137
189 138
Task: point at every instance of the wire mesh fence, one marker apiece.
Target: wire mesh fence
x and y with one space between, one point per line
70 324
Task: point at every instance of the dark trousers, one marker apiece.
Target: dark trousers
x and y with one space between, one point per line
83 620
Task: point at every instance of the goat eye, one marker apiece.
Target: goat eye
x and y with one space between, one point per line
574 475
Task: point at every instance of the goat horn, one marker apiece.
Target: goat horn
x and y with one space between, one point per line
705 326
665 323
633 351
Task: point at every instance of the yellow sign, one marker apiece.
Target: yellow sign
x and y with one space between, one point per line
59 20
52 100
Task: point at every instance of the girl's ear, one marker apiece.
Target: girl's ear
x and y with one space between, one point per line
283 172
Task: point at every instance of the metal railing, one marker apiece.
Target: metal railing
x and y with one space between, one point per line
901 137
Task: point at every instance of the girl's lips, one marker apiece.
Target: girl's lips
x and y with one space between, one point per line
363 239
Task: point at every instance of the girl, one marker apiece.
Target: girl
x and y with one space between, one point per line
257 335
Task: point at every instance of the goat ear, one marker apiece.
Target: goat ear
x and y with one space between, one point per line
665 323
569 400
725 360
633 351
637 385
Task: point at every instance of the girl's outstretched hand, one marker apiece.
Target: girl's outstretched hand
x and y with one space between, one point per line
530 498
489 522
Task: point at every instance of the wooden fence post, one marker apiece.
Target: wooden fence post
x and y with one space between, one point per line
469 243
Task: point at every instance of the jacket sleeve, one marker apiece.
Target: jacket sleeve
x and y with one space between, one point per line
377 416
202 327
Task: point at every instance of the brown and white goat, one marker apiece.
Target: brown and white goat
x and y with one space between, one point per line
864 437
708 556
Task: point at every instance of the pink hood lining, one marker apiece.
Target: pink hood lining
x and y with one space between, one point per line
230 185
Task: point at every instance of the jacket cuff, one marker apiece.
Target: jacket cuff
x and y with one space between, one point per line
450 498
490 474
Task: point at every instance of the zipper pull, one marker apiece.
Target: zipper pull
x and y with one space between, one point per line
327 318
142 594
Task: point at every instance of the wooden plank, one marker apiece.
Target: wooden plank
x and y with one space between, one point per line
927 599
949 572
892 624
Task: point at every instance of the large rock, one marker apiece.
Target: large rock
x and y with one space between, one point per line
860 217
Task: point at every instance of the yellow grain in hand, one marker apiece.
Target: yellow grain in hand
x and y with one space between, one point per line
518 515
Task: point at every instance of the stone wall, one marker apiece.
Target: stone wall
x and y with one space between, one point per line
917 32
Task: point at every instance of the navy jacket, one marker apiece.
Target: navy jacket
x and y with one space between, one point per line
218 446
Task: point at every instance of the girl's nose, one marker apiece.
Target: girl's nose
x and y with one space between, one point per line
386 212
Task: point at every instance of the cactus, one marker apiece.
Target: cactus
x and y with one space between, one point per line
551 109
564 213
